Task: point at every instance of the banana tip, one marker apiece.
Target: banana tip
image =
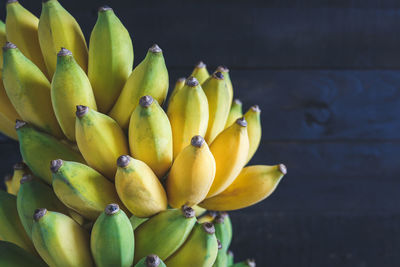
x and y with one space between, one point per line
8 177
152 260
39 213
197 141
218 75
155 49
181 80
105 8
220 218
219 244
251 262
19 166
223 68
146 101
241 122
81 111
237 101
230 253
200 65
209 228
188 212
111 209
11 1
64 52
192 81
27 177
123 161
255 108
282 169
19 124
55 165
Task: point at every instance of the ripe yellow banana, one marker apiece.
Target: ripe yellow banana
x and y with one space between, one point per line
200 72
38 149
188 114
70 87
82 189
150 77
12 255
254 184
208 217
225 72
230 150
29 90
57 28
7 128
150 136
8 182
22 30
3 40
139 188
199 250
191 175
178 86
151 261
234 113
20 169
59 240
199 210
110 58
252 117
219 105
8 114
100 140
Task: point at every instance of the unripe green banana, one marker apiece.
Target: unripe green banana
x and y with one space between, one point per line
150 77
219 105
11 229
22 30
100 140
178 86
20 169
38 149
3 40
82 189
164 233
200 72
57 28
139 188
199 250
136 221
223 230
222 257
151 261
112 240
225 72
230 258
252 117
59 240
246 263
29 90
235 112
13 256
188 114
150 136
70 87
110 58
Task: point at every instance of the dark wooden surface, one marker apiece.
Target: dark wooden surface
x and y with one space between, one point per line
326 75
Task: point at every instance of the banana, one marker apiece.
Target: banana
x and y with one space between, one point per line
57 28
136 221
178 86
191 175
81 188
225 72
222 257
139 188
252 117
208 217
28 90
3 40
150 136
188 114
59 240
199 250
8 114
100 140
12 256
110 58
151 261
11 228
8 182
22 30
20 169
253 184
150 77
7 128
246 263
200 72
199 210
230 258
70 87
223 230
38 149
164 233
234 113
219 105
228 225
230 150
112 240
32 195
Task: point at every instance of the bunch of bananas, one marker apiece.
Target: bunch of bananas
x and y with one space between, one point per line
109 178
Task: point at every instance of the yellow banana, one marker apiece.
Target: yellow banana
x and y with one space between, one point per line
110 58
199 250
225 72
188 114
3 40
7 128
139 188
8 114
252 117
199 210
82 189
219 105
208 217
178 86
57 28
230 150
29 90
150 136
20 169
12 255
234 113
253 184
150 77
70 87
151 261
59 240
191 175
22 30
200 72
8 183
100 140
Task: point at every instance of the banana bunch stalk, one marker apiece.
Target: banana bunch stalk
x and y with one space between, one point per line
109 177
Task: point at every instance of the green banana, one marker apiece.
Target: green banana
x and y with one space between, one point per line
199 250
20 169
252 117
112 240
3 40
82 189
225 72
110 58
13 256
136 221
164 233
38 149
235 112
246 263
151 261
230 256
223 230
222 257
59 240
178 86
150 77
200 72
70 87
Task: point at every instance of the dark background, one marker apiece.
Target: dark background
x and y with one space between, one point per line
326 76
